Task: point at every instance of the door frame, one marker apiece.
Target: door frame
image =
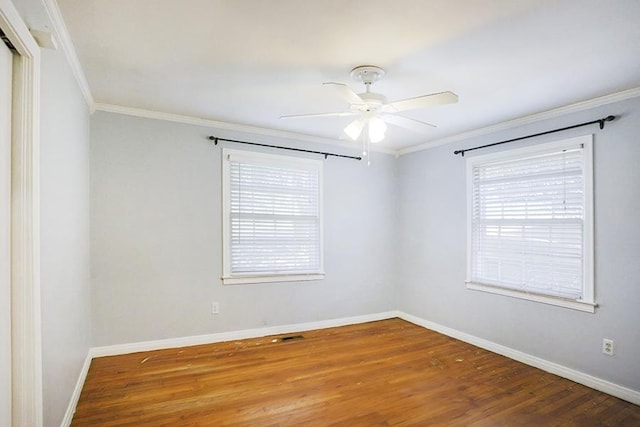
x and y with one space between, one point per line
25 222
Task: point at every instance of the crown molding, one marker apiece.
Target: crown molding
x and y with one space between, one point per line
521 121
525 120
178 118
62 35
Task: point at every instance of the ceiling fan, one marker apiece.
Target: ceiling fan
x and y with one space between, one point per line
372 109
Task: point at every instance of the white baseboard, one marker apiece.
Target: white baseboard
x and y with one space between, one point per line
616 390
608 387
112 350
73 402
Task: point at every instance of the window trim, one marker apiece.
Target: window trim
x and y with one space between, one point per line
267 159
587 302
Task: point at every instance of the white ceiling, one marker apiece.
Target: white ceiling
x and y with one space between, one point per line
251 61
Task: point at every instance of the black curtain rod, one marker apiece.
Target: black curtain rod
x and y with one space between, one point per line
599 121
215 140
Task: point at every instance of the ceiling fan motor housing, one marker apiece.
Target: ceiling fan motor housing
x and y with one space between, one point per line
373 102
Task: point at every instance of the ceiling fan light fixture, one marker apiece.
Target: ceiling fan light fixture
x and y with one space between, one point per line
354 129
377 129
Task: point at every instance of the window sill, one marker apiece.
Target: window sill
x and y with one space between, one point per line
588 307
241 280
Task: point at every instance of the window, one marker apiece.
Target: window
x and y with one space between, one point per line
272 227
530 223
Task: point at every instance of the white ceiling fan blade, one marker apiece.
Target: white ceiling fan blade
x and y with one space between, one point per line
432 100
407 123
347 93
304 116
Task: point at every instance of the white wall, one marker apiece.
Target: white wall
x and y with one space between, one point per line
432 251
156 251
64 219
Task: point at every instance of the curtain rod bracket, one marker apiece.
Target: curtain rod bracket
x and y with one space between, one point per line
606 119
600 122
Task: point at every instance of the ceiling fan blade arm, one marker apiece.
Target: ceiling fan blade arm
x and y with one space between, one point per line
346 92
306 116
432 100
407 123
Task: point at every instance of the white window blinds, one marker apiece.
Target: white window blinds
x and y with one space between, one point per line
273 208
528 221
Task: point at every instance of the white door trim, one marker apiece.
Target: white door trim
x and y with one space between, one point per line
25 226
6 84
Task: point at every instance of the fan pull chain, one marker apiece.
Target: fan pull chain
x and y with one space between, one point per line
366 148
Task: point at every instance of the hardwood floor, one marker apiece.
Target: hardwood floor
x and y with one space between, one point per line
387 373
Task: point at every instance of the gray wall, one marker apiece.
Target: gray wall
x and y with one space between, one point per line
394 239
156 251
64 216
64 224
432 232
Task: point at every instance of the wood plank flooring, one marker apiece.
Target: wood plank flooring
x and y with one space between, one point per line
386 373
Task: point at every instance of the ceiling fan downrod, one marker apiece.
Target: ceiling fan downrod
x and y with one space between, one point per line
367 74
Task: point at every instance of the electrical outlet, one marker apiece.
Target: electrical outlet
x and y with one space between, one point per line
215 307
607 346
